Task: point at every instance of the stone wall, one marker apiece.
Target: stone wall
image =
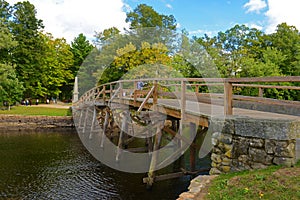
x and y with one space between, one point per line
247 143
19 122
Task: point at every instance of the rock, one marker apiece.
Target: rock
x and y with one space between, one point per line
214 171
216 150
228 154
257 155
225 147
214 141
240 147
257 143
186 196
285 151
225 169
216 158
226 139
226 161
269 146
284 161
243 158
258 166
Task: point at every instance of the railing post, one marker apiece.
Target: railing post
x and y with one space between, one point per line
104 93
197 89
155 95
227 98
121 89
110 91
183 99
134 92
260 92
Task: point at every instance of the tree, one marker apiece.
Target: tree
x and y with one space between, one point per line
6 42
230 47
287 40
27 56
145 16
80 48
151 60
57 62
11 90
5 11
102 37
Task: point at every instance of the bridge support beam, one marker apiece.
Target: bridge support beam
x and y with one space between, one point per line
151 175
124 130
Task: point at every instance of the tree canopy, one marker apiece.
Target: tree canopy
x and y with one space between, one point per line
38 65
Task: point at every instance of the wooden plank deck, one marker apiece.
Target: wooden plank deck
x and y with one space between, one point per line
204 110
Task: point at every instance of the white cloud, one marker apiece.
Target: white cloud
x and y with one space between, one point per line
282 11
255 6
201 32
254 25
68 18
169 6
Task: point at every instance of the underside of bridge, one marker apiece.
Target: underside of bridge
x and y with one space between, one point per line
165 139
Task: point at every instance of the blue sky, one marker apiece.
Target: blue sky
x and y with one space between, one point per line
68 18
206 16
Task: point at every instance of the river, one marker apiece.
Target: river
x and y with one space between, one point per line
55 165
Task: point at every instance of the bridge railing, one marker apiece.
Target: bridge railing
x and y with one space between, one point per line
183 87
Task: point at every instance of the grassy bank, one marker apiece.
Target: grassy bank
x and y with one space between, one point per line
37 110
272 183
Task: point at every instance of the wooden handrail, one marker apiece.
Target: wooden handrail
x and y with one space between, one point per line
182 83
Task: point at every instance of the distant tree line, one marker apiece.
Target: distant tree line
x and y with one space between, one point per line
34 64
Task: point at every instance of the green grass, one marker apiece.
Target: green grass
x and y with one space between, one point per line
272 183
34 110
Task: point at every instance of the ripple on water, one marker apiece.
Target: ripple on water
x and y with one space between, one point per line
57 166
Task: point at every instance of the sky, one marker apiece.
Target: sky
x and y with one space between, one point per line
69 18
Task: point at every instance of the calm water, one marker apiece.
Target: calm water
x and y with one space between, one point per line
57 166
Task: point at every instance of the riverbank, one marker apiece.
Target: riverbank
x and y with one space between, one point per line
27 122
198 188
269 183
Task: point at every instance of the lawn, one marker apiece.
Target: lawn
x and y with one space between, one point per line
36 110
272 183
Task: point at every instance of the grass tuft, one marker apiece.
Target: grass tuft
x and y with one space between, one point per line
274 182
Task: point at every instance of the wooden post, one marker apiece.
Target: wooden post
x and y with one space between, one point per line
124 130
197 89
149 143
85 120
110 91
121 89
104 93
227 98
157 141
135 93
155 95
106 119
93 123
183 99
260 92
192 147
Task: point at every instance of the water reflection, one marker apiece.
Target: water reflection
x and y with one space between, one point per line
57 166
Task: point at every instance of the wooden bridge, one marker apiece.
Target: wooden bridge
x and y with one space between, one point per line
192 101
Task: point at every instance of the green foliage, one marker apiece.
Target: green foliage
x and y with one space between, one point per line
80 48
145 16
11 90
151 60
27 55
57 63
